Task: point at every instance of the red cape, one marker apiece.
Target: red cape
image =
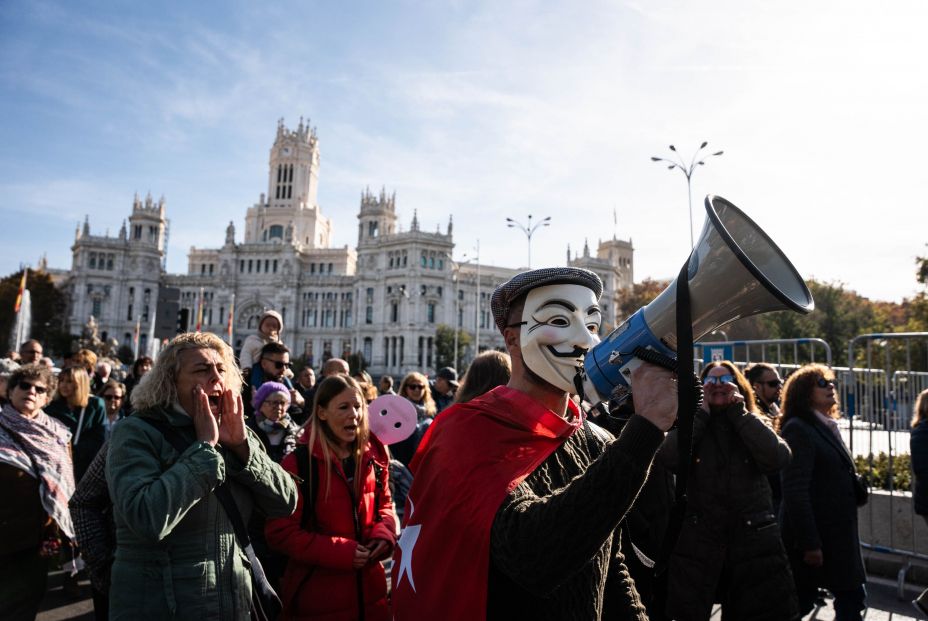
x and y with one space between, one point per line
470 458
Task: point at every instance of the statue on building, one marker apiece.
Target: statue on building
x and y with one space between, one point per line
230 234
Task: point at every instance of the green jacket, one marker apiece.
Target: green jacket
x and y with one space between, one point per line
176 553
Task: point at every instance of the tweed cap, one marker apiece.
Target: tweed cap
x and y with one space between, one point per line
522 283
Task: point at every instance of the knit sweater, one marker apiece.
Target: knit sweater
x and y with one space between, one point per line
555 547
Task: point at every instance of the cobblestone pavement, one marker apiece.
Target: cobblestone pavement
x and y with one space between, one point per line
884 604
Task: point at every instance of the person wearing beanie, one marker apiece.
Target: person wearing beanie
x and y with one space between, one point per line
270 325
271 421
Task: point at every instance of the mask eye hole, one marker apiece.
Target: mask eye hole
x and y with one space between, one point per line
593 328
559 322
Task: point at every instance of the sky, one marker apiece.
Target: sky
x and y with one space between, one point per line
480 111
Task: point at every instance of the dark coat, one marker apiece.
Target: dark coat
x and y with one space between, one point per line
92 435
820 506
918 446
729 549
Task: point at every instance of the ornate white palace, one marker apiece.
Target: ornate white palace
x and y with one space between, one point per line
383 298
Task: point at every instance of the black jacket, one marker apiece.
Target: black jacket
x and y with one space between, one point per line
820 505
729 549
918 446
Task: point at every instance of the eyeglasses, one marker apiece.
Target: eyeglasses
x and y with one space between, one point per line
719 379
825 383
26 386
415 386
276 403
280 365
772 383
112 397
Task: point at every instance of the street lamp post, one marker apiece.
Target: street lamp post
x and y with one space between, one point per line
698 160
529 230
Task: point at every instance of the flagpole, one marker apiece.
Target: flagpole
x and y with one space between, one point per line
136 335
200 310
231 327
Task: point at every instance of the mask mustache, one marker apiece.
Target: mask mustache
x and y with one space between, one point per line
576 352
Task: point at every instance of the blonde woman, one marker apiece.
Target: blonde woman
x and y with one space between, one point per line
415 388
177 555
344 523
82 413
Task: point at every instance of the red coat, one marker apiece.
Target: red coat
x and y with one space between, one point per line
319 581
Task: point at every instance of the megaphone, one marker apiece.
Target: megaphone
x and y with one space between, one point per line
734 271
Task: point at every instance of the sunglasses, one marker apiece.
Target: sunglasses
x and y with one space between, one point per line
280 365
415 386
825 383
772 383
728 378
112 397
39 390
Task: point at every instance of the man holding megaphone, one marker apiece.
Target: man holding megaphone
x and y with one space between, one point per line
544 491
516 504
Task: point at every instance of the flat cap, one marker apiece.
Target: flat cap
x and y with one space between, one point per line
522 283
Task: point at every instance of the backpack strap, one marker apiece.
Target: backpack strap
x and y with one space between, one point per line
309 486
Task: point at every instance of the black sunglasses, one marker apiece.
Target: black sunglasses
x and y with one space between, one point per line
279 365
825 383
112 397
415 386
39 390
772 383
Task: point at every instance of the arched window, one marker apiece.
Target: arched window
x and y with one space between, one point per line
276 231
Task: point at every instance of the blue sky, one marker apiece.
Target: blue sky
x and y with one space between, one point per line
479 110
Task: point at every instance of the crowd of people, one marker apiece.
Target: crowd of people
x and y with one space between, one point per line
203 486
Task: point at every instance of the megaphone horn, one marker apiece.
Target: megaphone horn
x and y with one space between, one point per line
734 271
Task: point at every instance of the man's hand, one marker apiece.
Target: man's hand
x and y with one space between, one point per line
204 423
296 398
232 425
654 392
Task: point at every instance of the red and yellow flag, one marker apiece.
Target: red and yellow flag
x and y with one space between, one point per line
200 311
22 289
231 318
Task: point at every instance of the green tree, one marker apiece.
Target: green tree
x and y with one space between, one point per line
49 311
640 294
444 346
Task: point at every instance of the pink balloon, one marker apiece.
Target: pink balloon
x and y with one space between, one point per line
392 418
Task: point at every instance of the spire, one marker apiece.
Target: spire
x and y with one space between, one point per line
122 230
568 254
86 232
415 220
450 224
586 249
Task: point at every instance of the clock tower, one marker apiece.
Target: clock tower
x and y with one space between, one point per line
289 212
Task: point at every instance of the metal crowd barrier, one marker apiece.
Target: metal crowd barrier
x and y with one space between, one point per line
877 397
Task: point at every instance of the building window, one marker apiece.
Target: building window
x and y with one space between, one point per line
137 231
258 266
109 262
369 315
460 295
394 312
438 290
370 295
276 231
129 314
432 262
423 289
423 261
267 265
441 264
275 266
312 268
211 269
460 317
241 266
404 258
249 265
430 312
97 305
92 261
203 268
368 348
330 268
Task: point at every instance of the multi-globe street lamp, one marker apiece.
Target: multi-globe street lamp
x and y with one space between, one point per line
529 230
679 163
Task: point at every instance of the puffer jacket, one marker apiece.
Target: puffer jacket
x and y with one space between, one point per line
251 348
319 582
177 556
729 549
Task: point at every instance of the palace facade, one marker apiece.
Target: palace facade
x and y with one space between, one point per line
384 298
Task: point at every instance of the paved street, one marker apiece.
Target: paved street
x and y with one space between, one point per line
884 605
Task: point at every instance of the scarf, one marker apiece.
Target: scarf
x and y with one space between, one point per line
275 430
39 446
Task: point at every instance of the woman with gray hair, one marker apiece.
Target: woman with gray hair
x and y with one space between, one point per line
177 554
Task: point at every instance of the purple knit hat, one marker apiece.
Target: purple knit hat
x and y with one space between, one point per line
266 390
